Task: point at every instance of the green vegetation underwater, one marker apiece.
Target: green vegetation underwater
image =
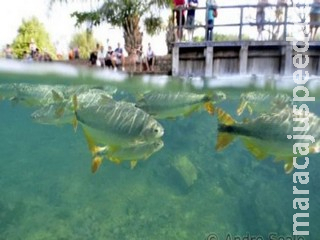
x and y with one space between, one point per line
185 191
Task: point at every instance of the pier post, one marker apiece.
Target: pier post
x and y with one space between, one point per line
288 59
243 58
209 62
175 61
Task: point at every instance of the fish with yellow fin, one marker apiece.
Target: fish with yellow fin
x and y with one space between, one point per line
114 125
262 102
271 134
134 153
169 105
61 112
117 123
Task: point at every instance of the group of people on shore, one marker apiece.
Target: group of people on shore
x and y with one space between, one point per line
34 53
114 59
107 59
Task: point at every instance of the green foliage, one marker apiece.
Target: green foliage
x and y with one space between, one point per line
126 14
229 37
218 37
32 29
114 12
85 42
153 25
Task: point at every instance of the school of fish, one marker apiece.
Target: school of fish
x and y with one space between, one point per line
120 130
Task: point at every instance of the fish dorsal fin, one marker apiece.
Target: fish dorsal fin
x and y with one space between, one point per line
255 150
96 162
59 112
223 140
105 99
225 118
133 163
241 107
56 96
209 107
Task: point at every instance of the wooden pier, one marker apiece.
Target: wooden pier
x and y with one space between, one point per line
269 56
246 57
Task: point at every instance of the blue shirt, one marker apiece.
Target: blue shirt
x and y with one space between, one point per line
211 8
315 9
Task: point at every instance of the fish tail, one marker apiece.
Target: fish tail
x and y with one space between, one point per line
224 137
96 162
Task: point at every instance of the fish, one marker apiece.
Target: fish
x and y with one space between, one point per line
60 113
8 91
53 114
115 123
270 134
261 102
70 91
163 105
33 95
140 151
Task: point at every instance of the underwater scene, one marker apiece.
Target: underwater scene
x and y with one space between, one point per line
92 154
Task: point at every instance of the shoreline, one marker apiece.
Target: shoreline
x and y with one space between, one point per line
162 66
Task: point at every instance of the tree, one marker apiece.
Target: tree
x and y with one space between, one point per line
126 14
85 42
32 29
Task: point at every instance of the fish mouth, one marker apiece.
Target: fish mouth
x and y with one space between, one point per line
160 132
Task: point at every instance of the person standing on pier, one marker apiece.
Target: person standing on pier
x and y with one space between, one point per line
192 4
279 14
211 14
180 18
260 17
314 19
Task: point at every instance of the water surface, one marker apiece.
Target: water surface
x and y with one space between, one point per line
49 192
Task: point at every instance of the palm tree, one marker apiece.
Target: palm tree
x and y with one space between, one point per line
127 14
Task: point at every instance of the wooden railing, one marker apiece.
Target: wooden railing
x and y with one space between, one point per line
291 15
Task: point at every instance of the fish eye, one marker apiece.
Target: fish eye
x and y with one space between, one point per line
156 130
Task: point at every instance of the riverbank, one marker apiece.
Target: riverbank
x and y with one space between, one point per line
162 66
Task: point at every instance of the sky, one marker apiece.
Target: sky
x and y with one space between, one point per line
61 26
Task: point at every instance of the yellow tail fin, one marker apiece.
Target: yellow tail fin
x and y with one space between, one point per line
224 117
96 162
223 138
